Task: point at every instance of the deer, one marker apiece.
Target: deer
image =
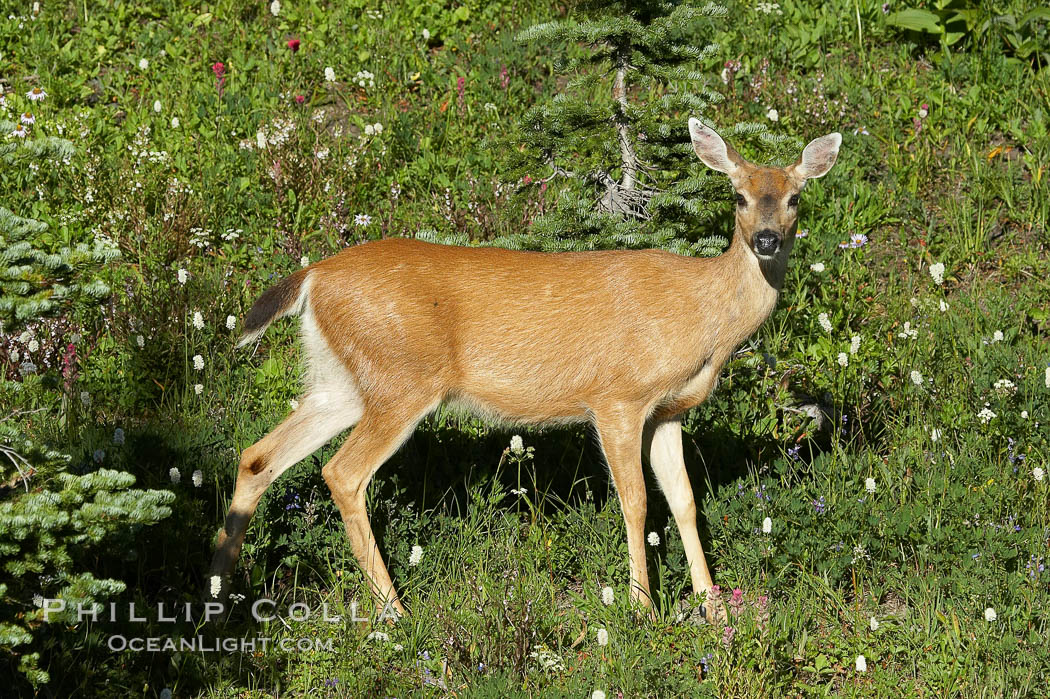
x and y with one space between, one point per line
625 340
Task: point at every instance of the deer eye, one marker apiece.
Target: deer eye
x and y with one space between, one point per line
793 201
741 201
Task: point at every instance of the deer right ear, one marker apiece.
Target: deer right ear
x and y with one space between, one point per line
711 149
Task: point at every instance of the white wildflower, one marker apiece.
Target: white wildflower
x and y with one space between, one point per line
378 636
140 341
869 485
516 444
143 64
986 416
943 305
854 344
198 388
597 694
174 475
329 74
653 539
198 362
216 585
370 130
36 95
916 377
260 140
767 526
304 261
908 332
825 322
175 122
817 267
873 623
417 555
1024 414
275 7
862 664
1046 377
231 322
426 35
935 435
607 596
20 131
157 106
843 359
1005 386
603 637
773 115
33 345
197 478
997 336
937 273
990 615
1037 473
198 320
293 404
182 275
378 128
362 219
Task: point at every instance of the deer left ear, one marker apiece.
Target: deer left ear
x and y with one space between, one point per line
818 157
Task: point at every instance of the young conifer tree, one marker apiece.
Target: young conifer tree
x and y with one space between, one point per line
54 525
614 143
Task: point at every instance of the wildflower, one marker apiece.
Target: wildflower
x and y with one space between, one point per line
293 44
216 585
370 130
908 331
219 68
986 416
603 637
825 322
416 556
607 596
916 377
862 664
990 615
516 444
819 505
869 485
365 78
426 34
1024 414
36 95
937 272
198 320
1046 377
727 635
943 306
118 436
99 456
854 344
329 74
157 106
767 526
997 336
843 359
858 240
773 115
653 539
174 475
198 362
27 118
304 261
861 131
198 388
375 635
1037 473
924 110
231 322
143 63
1005 386
817 267
175 122
935 435
33 345
260 140
197 478
275 7
873 623
597 694
378 128
293 404
140 341
20 131
85 399
299 99
182 275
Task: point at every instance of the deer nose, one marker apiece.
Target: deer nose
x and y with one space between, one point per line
766 242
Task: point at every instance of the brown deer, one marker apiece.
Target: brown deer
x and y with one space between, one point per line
625 340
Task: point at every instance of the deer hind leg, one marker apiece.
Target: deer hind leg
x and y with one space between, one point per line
320 417
620 432
381 432
665 456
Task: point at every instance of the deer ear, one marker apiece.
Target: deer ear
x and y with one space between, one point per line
818 157
712 150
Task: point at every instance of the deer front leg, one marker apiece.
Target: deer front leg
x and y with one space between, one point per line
620 432
665 455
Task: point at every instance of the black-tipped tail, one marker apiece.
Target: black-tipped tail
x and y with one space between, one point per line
283 298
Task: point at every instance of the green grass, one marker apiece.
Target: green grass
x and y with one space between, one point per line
506 600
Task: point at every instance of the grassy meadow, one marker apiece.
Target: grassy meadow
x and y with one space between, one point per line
869 474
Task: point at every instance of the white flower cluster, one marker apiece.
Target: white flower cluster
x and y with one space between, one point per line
365 78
